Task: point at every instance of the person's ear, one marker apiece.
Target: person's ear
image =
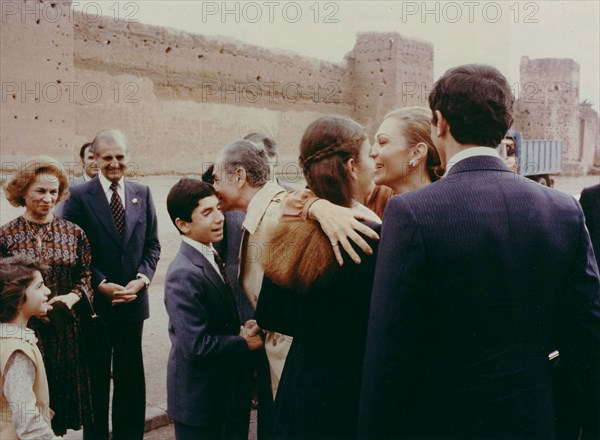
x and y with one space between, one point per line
351 167
182 225
419 152
240 177
442 126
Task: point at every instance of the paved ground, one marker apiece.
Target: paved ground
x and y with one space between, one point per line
156 343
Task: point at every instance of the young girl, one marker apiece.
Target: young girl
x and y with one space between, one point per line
24 401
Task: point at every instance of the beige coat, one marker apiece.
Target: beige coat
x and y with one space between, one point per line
12 339
262 216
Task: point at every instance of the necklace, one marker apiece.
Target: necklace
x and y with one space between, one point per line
40 235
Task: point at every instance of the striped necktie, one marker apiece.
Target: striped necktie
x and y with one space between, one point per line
116 206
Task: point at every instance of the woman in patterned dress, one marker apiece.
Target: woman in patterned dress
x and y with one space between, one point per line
62 246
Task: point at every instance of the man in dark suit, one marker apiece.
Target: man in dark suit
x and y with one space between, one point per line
590 202
120 222
90 170
207 379
89 163
479 277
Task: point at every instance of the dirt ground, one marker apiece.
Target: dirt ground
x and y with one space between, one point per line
156 342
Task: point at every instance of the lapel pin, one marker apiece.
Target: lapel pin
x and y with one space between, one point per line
134 201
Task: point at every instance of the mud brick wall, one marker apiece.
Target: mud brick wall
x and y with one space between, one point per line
181 97
37 115
388 72
590 136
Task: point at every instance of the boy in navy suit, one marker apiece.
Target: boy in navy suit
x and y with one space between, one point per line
208 388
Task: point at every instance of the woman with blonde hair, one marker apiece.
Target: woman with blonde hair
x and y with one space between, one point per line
64 248
323 306
404 154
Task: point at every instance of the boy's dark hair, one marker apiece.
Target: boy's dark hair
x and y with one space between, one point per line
477 102
16 274
183 198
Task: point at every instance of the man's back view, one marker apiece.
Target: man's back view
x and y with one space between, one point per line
480 276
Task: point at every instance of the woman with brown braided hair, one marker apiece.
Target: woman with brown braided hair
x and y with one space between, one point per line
322 305
405 160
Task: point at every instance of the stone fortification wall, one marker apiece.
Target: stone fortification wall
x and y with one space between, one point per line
388 72
181 97
37 116
590 136
548 107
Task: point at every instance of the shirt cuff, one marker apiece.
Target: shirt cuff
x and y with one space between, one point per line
144 278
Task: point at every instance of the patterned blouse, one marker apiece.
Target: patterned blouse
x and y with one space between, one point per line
60 244
65 249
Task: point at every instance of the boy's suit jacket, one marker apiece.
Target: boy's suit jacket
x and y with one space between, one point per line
205 367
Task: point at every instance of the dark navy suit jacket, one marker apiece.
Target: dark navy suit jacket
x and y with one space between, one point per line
207 356
113 259
479 277
590 202
229 250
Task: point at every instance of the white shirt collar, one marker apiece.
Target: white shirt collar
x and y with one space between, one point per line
86 178
106 187
470 152
207 250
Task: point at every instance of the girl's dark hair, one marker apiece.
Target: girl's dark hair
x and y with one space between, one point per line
16 273
325 147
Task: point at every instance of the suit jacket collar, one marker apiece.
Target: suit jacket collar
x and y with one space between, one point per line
215 279
98 204
259 204
478 163
134 209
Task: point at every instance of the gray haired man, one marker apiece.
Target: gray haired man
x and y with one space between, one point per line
242 179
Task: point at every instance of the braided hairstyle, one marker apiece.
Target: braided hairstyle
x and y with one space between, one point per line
16 273
327 144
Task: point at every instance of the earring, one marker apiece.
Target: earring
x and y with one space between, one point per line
413 163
